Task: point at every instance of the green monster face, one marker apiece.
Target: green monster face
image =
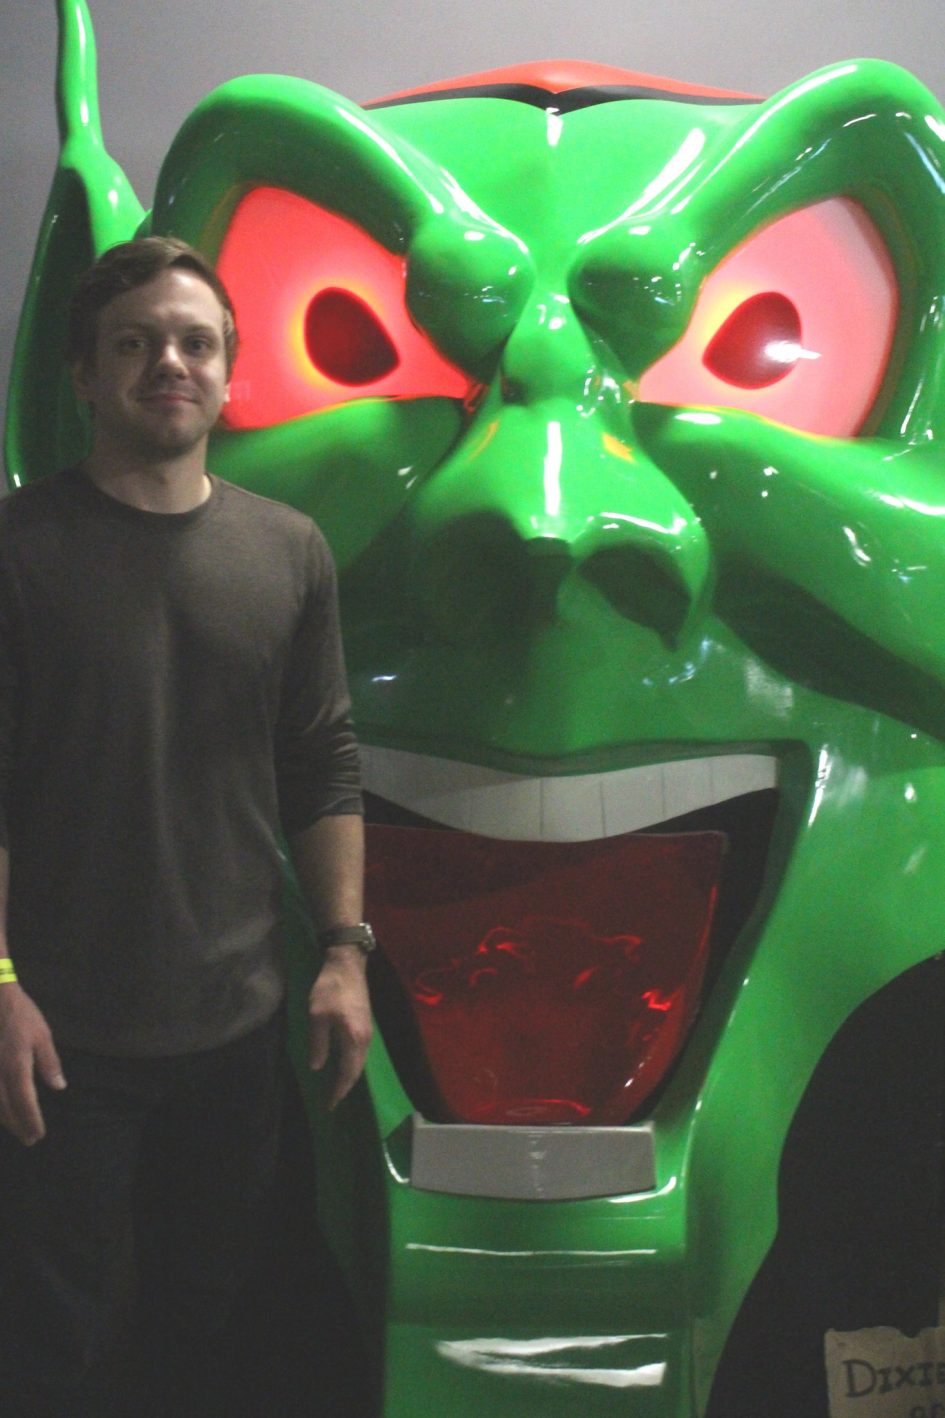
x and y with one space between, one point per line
618 403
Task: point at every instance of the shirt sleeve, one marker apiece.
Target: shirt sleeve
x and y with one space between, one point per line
9 680
317 768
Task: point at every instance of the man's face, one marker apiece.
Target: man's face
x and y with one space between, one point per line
158 378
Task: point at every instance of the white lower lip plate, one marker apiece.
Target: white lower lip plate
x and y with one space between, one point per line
578 808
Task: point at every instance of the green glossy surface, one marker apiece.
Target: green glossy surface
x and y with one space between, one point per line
567 580
90 207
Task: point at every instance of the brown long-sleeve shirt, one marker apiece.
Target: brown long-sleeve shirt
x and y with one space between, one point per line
172 692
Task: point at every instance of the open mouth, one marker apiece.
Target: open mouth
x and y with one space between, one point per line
543 957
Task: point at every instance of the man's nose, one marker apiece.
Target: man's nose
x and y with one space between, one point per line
169 358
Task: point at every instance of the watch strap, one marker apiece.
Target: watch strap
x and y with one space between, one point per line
360 935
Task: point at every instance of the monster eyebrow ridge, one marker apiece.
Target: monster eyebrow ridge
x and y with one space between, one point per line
289 133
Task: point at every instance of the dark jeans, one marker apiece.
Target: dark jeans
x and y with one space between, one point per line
178 1154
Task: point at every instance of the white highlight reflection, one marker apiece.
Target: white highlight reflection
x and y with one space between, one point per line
517 1358
532 1254
553 471
824 767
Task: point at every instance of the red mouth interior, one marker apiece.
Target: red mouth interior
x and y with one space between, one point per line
550 982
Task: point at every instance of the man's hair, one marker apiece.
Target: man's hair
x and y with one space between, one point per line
123 268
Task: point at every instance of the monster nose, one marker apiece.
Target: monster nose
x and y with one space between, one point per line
548 355
544 513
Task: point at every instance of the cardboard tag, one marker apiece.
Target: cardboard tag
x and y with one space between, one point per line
882 1373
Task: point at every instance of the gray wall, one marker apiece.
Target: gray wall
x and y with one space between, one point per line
158 57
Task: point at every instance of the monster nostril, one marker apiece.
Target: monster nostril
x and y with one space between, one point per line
548 563
470 579
480 578
641 587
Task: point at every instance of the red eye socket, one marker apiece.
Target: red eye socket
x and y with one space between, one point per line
345 339
322 316
796 324
758 344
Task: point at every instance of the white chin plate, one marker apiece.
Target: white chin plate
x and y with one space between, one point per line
576 808
531 1163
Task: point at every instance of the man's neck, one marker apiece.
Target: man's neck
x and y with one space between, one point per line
169 485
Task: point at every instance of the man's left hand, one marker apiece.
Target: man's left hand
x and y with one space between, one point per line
339 1018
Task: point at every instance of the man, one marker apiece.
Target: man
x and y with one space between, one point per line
172 695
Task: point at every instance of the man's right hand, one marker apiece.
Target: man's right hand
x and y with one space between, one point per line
26 1046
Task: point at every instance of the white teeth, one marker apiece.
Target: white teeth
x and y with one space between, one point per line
562 809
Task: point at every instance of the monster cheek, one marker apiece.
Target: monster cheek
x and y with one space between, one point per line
322 317
796 325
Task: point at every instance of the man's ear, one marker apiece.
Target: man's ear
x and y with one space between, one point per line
90 208
79 373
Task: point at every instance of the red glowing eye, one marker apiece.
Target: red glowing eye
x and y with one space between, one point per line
345 339
322 314
759 343
794 325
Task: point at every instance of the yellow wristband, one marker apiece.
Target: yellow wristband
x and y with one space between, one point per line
7 972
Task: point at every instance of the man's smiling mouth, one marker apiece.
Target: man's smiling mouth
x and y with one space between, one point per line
168 396
544 959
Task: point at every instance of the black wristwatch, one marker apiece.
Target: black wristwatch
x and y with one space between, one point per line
360 935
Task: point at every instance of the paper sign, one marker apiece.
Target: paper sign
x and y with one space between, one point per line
882 1373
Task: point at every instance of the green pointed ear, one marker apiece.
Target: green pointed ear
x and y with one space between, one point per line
91 207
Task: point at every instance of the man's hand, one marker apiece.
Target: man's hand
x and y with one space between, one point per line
339 1018
26 1045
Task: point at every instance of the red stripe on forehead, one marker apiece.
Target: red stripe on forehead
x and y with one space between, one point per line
556 76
